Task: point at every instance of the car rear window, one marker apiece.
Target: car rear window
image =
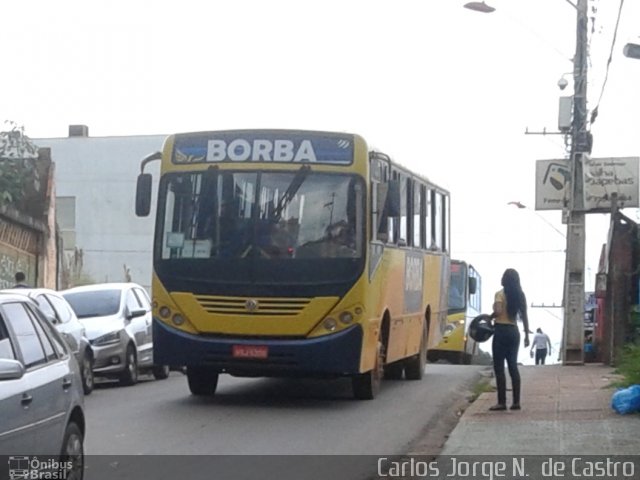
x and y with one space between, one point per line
96 303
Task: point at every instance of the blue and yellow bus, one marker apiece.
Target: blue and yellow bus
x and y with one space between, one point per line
294 253
465 297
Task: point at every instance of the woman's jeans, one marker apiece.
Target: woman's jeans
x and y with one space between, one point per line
506 341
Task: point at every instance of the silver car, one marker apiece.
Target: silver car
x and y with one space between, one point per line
41 398
117 320
60 313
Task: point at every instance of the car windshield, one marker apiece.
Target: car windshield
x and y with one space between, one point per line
94 303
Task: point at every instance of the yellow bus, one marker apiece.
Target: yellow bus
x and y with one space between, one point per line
294 253
465 298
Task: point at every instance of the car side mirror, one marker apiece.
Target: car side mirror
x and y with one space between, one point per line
52 319
136 313
10 369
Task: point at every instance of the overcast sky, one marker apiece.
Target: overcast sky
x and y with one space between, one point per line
444 90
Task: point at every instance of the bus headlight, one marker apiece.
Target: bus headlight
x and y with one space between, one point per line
165 312
346 318
448 330
178 319
329 324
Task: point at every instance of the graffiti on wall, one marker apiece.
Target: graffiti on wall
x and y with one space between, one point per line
12 261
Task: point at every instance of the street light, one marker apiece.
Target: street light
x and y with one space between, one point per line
573 298
631 50
522 206
479 7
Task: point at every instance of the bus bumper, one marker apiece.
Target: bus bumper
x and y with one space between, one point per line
330 355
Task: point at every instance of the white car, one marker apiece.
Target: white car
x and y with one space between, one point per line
117 321
41 398
60 313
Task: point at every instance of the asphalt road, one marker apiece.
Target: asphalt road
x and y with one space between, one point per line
263 417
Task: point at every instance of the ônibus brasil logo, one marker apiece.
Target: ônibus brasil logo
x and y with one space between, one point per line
32 468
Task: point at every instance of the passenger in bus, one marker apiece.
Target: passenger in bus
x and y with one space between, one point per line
231 240
510 302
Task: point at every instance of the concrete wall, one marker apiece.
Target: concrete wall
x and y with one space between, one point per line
101 174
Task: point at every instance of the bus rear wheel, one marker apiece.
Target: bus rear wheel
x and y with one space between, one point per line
414 366
202 381
393 371
367 385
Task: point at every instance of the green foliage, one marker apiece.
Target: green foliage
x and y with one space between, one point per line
483 386
629 365
18 172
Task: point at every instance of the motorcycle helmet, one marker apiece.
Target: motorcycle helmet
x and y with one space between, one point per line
481 328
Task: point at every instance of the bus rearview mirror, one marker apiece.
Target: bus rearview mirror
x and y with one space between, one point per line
473 285
143 194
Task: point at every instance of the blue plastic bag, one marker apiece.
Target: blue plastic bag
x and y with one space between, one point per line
626 400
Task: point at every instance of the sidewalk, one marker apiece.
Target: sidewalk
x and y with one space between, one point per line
566 410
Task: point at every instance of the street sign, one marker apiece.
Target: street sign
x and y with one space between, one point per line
603 177
553 178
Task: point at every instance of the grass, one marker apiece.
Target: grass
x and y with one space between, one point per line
629 366
483 386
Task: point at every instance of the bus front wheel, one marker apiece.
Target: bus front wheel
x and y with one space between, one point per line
202 381
367 385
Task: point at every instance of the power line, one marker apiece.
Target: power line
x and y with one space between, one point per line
504 252
594 113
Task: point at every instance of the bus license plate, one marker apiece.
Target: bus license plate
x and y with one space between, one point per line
250 351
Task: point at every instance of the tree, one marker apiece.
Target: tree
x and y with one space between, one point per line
19 174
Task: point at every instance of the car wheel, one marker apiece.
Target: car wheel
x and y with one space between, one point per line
86 372
130 374
72 455
202 381
160 372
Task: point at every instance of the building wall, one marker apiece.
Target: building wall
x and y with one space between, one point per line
18 250
108 243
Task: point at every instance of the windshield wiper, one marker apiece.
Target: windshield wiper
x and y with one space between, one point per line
291 191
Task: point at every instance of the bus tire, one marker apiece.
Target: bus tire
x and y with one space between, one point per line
466 358
393 371
202 381
367 385
160 372
414 366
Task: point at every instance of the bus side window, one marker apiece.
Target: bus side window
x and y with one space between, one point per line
405 205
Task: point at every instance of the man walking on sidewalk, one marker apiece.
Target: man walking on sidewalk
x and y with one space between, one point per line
540 343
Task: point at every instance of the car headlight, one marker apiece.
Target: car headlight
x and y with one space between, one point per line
107 339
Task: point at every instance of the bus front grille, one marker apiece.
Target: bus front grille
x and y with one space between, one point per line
253 306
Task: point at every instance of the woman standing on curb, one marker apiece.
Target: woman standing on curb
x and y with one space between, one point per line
508 303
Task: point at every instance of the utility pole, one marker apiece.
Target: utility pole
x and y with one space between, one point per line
573 337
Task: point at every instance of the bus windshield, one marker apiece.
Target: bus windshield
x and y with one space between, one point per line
288 216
